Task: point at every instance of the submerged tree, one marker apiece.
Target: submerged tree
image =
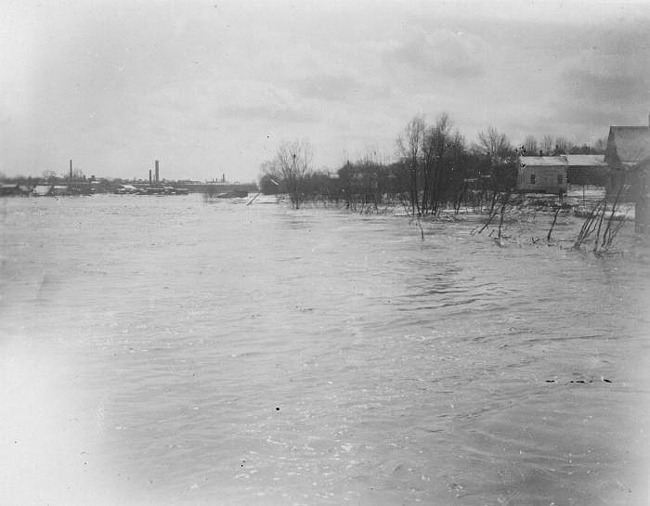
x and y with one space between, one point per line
290 169
444 165
434 146
501 162
434 156
409 148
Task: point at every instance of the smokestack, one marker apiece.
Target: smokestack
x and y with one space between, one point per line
70 170
157 172
149 177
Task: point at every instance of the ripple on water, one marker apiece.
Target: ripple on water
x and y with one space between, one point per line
256 355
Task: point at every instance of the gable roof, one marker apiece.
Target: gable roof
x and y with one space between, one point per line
586 160
626 146
542 161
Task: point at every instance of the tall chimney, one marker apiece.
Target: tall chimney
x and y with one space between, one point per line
157 172
149 177
70 170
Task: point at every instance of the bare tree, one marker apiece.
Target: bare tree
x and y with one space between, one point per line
290 168
49 175
295 163
409 147
600 145
562 146
503 173
436 142
494 144
548 144
77 175
530 146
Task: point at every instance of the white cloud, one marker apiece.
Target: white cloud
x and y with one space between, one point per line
201 85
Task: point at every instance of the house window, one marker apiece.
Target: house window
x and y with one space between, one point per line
533 178
559 179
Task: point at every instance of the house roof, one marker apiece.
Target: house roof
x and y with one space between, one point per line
543 161
627 145
586 160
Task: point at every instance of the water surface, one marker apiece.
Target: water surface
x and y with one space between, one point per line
162 351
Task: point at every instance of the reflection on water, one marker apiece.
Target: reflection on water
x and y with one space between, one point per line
162 351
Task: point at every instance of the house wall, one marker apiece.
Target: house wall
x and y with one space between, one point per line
587 176
546 179
642 204
620 186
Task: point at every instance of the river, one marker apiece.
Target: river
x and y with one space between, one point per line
167 351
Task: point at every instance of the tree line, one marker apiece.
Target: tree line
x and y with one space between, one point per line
436 168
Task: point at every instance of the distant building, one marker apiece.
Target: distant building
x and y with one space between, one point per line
60 190
12 190
126 188
42 190
542 174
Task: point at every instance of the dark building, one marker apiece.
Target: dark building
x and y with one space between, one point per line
628 158
628 150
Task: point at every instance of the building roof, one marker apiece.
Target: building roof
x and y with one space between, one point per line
627 145
543 161
586 160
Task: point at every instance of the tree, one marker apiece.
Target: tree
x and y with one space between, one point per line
439 144
49 175
562 146
364 183
530 146
600 145
494 144
409 147
503 172
290 168
548 144
78 175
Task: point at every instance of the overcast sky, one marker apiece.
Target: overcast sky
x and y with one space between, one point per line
212 87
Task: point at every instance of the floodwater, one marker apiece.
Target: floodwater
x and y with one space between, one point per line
164 351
